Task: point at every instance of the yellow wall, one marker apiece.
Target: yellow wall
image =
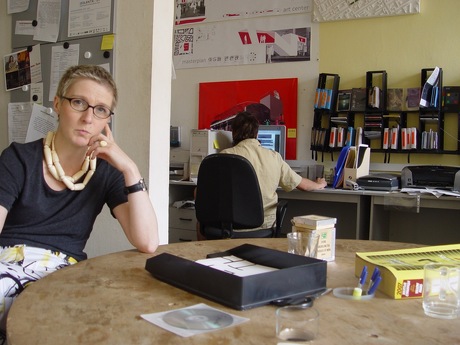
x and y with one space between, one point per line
401 45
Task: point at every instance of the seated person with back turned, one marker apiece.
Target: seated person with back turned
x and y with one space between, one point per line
271 170
52 190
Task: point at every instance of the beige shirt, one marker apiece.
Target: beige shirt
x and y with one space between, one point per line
272 171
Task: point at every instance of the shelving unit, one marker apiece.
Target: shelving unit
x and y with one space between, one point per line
376 105
432 115
325 108
378 116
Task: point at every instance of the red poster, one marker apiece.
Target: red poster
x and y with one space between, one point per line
273 101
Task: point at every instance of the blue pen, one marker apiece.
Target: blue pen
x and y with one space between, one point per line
374 276
375 285
363 277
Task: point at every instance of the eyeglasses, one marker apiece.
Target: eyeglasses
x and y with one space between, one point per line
78 104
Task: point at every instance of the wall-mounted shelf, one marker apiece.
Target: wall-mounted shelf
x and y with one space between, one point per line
385 125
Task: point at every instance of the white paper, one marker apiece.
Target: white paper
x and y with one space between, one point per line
36 93
41 122
48 18
61 60
35 64
157 319
187 12
24 27
253 41
18 121
87 17
433 191
235 265
16 6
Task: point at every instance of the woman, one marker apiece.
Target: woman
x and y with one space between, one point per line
52 190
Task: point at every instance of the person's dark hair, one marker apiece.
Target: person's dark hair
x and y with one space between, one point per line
244 126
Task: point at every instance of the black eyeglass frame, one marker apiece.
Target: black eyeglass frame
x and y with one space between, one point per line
88 106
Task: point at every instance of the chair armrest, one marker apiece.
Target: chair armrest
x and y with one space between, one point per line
281 208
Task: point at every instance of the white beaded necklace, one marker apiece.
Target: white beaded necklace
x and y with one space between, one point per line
55 168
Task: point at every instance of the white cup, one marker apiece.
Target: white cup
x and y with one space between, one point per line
303 243
297 324
441 290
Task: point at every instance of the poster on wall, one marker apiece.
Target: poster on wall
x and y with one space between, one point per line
272 101
330 10
22 68
200 11
257 41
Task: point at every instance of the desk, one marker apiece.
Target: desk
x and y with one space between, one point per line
351 208
417 219
100 300
361 214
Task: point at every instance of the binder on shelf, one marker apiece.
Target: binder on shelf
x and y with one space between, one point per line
332 137
350 136
394 138
429 89
340 136
359 136
386 138
404 139
413 138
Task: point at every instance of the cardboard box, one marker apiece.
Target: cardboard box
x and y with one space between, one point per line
356 164
326 245
314 221
402 270
295 276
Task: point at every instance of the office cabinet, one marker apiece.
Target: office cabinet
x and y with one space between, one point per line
182 225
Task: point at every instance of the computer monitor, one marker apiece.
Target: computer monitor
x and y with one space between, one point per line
273 137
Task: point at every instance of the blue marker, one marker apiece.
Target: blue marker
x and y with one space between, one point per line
363 277
375 285
375 274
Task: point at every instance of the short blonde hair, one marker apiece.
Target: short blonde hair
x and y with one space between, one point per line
92 72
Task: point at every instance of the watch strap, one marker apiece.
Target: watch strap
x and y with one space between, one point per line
137 187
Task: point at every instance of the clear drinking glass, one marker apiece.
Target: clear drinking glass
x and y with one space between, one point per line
441 291
297 324
303 243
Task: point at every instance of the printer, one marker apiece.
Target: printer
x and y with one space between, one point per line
431 176
379 181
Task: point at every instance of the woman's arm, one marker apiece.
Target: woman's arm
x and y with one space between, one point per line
137 217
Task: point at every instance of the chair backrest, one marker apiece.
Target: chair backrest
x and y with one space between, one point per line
228 193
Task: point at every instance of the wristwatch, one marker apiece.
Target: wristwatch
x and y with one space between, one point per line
137 187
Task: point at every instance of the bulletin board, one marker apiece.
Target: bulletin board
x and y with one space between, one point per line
273 101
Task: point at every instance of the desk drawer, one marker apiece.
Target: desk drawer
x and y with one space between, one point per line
181 235
182 218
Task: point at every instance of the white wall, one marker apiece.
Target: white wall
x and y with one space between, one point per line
184 108
143 114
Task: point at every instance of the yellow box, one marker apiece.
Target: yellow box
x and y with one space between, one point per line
402 269
326 245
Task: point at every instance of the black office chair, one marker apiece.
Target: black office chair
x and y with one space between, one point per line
228 198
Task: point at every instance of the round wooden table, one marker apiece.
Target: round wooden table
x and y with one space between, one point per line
100 300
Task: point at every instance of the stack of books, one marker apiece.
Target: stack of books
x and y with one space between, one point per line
322 225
